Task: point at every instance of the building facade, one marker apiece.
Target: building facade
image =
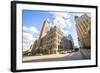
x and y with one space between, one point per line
52 38
83 27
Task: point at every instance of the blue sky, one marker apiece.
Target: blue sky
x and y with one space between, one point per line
33 21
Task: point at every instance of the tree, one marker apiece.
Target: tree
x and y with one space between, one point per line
43 50
61 51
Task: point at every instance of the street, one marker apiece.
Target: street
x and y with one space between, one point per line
55 57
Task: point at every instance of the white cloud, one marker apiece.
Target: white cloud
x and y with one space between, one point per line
66 32
79 14
30 29
60 14
28 38
62 20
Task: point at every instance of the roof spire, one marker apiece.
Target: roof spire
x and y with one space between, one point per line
47 20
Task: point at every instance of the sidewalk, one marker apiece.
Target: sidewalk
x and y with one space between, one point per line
44 57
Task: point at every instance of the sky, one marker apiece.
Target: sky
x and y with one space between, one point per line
33 21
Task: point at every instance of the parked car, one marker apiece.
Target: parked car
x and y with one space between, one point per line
69 51
76 49
38 54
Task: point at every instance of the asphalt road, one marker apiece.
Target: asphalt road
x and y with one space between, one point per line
70 56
